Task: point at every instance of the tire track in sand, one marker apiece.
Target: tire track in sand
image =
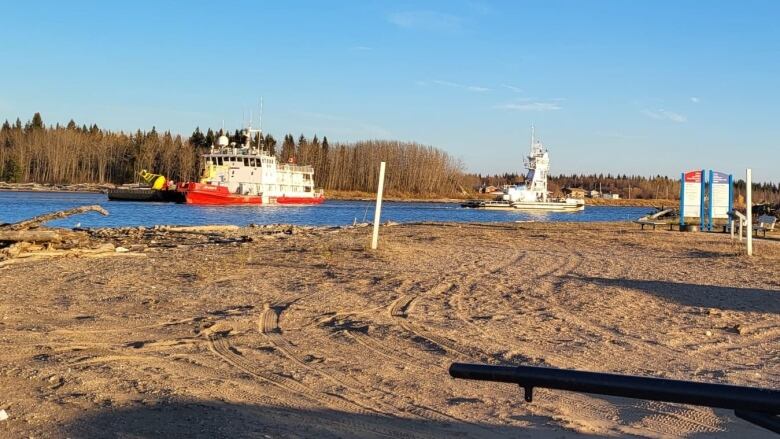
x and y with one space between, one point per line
269 327
220 346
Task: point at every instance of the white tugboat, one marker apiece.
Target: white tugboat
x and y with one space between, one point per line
533 194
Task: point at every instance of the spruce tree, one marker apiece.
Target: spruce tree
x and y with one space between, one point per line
288 149
37 122
197 139
12 172
72 125
270 144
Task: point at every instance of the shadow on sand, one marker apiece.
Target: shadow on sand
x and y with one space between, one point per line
706 296
214 419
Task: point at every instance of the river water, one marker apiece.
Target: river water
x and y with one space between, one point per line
15 206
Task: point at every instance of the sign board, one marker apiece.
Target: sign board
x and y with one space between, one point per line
692 195
720 194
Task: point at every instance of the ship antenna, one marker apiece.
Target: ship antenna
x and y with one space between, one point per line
532 137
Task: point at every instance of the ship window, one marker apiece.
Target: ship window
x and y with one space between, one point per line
246 161
219 161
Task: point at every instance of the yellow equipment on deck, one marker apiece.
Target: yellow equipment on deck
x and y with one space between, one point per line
156 181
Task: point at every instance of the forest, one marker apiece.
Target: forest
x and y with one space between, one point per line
56 154
34 152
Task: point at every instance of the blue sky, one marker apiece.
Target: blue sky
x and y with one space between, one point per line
652 87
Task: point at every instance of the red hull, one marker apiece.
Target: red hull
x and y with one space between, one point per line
300 200
199 193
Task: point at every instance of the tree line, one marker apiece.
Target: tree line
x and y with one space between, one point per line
34 152
627 186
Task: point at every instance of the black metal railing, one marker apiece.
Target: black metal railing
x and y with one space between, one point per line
757 405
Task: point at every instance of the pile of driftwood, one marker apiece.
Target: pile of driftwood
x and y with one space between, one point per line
27 239
142 238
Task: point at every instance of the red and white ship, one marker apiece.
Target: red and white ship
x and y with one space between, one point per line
246 174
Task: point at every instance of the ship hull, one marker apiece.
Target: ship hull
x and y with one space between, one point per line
534 206
298 200
207 194
145 194
552 207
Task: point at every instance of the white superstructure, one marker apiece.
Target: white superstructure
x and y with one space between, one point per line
249 170
533 193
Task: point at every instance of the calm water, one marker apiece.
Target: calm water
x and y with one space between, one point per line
15 206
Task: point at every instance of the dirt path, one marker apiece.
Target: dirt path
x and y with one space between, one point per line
311 335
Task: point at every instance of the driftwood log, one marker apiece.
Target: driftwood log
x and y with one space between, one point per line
27 240
40 219
30 236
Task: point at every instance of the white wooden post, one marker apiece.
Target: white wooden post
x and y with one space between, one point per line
749 210
378 209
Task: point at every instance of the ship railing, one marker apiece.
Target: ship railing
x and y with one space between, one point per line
759 406
295 168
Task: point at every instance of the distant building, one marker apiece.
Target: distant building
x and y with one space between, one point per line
594 194
574 192
611 196
489 189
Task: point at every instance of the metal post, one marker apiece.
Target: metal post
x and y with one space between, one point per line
709 205
749 210
682 201
701 202
378 209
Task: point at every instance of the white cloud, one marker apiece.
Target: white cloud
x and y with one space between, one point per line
530 106
474 88
665 115
694 99
361 48
445 83
425 20
512 87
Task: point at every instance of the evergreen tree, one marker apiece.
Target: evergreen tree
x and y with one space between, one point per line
37 122
12 172
197 139
6 126
302 155
270 144
72 125
288 149
209 140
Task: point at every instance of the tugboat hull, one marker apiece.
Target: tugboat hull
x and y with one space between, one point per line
208 194
300 200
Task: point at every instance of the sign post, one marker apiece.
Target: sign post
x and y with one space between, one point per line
721 197
378 210
692 197
749 209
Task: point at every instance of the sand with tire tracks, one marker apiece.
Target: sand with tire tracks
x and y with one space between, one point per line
313 335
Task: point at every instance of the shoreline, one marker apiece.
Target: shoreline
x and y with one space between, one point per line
90 188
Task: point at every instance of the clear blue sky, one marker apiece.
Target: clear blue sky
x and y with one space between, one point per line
612 86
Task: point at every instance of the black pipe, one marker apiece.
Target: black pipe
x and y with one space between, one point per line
754 404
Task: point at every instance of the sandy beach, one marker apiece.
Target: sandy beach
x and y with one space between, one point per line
311 334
